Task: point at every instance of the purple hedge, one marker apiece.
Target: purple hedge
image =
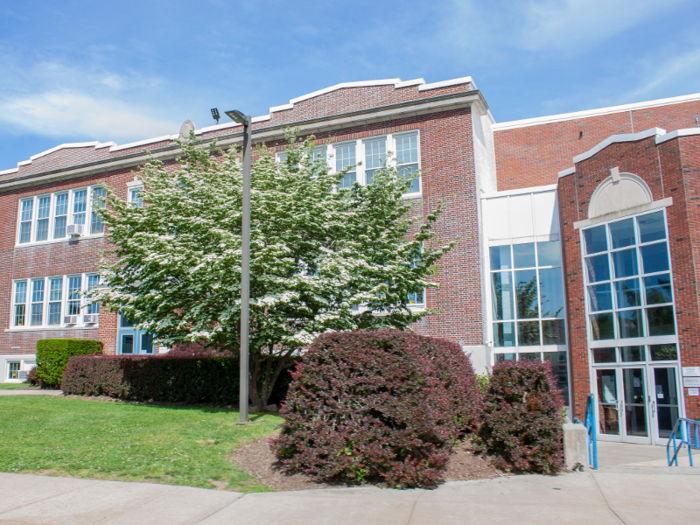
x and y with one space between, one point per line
380 406
522 418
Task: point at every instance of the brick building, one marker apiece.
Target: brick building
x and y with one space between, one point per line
591 267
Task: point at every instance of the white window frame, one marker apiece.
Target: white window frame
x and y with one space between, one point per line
136 186
361 155
84 304
52 217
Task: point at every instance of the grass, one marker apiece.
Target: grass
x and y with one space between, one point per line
12 386
125 442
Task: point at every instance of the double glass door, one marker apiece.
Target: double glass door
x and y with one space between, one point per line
637 404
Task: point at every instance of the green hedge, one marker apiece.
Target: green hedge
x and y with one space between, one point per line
187 380
52 356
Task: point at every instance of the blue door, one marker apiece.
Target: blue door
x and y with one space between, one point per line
131 341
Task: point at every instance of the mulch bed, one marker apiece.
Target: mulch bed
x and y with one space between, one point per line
257 460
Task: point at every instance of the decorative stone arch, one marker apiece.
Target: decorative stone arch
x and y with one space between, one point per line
619 192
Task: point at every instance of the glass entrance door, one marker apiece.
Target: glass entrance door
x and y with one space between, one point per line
664 401
131 341
622 405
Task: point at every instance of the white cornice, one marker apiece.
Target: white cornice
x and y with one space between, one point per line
678 133
594 112
520 191
612 139
567 171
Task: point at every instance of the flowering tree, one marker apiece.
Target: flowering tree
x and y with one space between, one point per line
322 259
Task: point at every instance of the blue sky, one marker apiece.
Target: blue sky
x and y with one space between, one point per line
74 71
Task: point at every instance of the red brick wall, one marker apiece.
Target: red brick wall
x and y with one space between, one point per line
668 174
533 155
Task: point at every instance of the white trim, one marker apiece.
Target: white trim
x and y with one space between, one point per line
447 83
520 191
663 203
678 133
144 142
567 171
613 139
594 112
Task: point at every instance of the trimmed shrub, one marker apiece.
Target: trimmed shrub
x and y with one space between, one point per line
523 414
32 378
377 406
186 380
52 356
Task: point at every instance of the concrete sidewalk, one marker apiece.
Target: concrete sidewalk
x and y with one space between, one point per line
637 496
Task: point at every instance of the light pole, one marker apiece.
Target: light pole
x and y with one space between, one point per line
241 118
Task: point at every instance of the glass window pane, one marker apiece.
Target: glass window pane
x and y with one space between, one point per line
502 295
504 334
627 293
602 326
604 355
407 148
524 255
37 314
37 291
598 268
652 227
62 204
529 356
44 207
551 293
630 354
629 323
56 290
549 253
27 207
505 357
553 332
625 263
595 239
127 344
500 257
125 322
21 292
526 294
560 371
622 233
658 289
667 352
59 229
146 343
660 321
25 232
54 313
599 297
528 333
655 258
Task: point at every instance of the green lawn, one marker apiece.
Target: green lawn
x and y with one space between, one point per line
12 386
95 439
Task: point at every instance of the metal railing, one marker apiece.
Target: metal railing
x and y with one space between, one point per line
590 431
688 429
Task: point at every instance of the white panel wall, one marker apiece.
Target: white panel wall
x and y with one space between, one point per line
546 213
496 220
527 216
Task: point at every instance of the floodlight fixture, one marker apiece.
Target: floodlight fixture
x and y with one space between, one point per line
215 114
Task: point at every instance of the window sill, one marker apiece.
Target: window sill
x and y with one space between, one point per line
52 328
417 195
55 241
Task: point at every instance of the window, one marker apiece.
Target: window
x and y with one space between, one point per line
25 225
45 218
344 157
55 300
135 198
37 303
20 302
527 293
43 302
13 370
375 158
628 278
98 201
92 281
407 158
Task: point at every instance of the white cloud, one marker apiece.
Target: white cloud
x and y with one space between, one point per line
660 76
64 114
55 100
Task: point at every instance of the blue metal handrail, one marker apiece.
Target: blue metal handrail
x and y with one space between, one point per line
688 428
591 436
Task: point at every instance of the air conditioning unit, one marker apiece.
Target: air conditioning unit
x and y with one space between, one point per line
75 230
70 319
90 318
23 375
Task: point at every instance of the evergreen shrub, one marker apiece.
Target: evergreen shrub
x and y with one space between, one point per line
377 406
52 356
522 418
170 379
